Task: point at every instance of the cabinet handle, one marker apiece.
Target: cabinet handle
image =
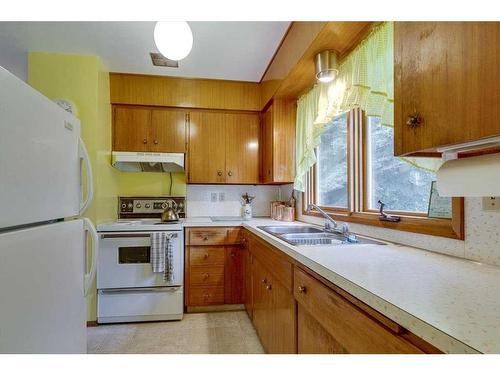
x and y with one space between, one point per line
206 276
302 289
233 255
155 142
144 141
229 173
264 281
205 256
219 173
269 287
205 238
414 120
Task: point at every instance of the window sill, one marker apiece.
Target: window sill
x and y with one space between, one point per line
449 228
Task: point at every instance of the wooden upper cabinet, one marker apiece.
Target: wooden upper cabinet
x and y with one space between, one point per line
131 129
242 148
168 130
448 75
223 147
278 140
145 129
207 147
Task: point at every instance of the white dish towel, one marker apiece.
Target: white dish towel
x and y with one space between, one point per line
162 257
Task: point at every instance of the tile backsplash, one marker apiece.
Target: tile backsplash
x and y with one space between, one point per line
199 199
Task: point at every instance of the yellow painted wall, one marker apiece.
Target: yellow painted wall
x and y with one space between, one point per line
83 80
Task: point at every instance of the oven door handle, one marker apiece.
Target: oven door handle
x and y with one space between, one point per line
129 235
140 290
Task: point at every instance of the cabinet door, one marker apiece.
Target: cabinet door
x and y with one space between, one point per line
312 338
207 147
131 129
168 131
242 148
267 146
284 124
262 305
284 320
248 294
448 74
234 275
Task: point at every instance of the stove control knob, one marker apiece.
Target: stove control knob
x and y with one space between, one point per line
164 205
147 205
124 206
138 205
130 205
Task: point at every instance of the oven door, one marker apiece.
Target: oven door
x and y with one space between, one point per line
124 261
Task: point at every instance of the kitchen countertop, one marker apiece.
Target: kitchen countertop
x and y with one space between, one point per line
452 303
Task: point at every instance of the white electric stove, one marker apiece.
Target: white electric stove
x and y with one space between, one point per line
128 290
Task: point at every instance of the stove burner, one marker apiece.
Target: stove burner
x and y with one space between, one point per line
167 222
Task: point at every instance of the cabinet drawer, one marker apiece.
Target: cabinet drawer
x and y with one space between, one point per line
348 325
205 256
207 236
207 275
201 296
234 236
273 261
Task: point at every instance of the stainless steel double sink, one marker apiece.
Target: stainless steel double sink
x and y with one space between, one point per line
303 235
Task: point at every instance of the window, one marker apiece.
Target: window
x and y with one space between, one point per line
331 166
401 185
356 168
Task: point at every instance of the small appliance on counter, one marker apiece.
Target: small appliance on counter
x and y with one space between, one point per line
129 289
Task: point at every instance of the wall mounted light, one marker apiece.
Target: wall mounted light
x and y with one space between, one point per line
326 66
174 40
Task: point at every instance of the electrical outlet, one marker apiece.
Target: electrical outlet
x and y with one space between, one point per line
491 204
222 196
213 197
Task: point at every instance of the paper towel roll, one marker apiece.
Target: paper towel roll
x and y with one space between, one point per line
477 176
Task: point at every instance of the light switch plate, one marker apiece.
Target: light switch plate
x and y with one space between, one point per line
222 196
491 204
213 197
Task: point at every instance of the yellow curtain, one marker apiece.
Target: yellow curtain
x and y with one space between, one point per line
365 80
307 135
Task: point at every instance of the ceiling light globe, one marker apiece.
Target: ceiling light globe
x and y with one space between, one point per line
174 40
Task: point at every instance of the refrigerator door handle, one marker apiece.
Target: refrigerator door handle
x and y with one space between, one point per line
90 276
84 156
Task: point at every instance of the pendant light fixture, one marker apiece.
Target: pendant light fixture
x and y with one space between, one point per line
174 40
326 66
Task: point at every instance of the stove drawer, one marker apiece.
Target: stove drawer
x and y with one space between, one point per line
139 304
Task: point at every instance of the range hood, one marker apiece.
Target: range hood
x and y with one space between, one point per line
147 161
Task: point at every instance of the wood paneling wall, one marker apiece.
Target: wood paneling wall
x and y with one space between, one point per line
184 92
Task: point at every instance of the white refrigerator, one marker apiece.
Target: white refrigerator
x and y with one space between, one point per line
47 251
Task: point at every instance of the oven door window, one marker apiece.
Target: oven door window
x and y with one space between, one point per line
134 254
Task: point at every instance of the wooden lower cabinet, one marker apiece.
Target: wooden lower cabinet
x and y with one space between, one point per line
214 266
303 313
273 312
235 275
312 338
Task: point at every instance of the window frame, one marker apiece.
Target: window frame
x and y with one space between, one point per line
358 210
314 173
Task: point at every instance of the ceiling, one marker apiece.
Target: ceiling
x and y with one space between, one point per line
221 50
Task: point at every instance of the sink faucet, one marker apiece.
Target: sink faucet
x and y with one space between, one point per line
330 224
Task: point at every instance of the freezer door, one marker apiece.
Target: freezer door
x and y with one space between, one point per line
42 303
39 156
